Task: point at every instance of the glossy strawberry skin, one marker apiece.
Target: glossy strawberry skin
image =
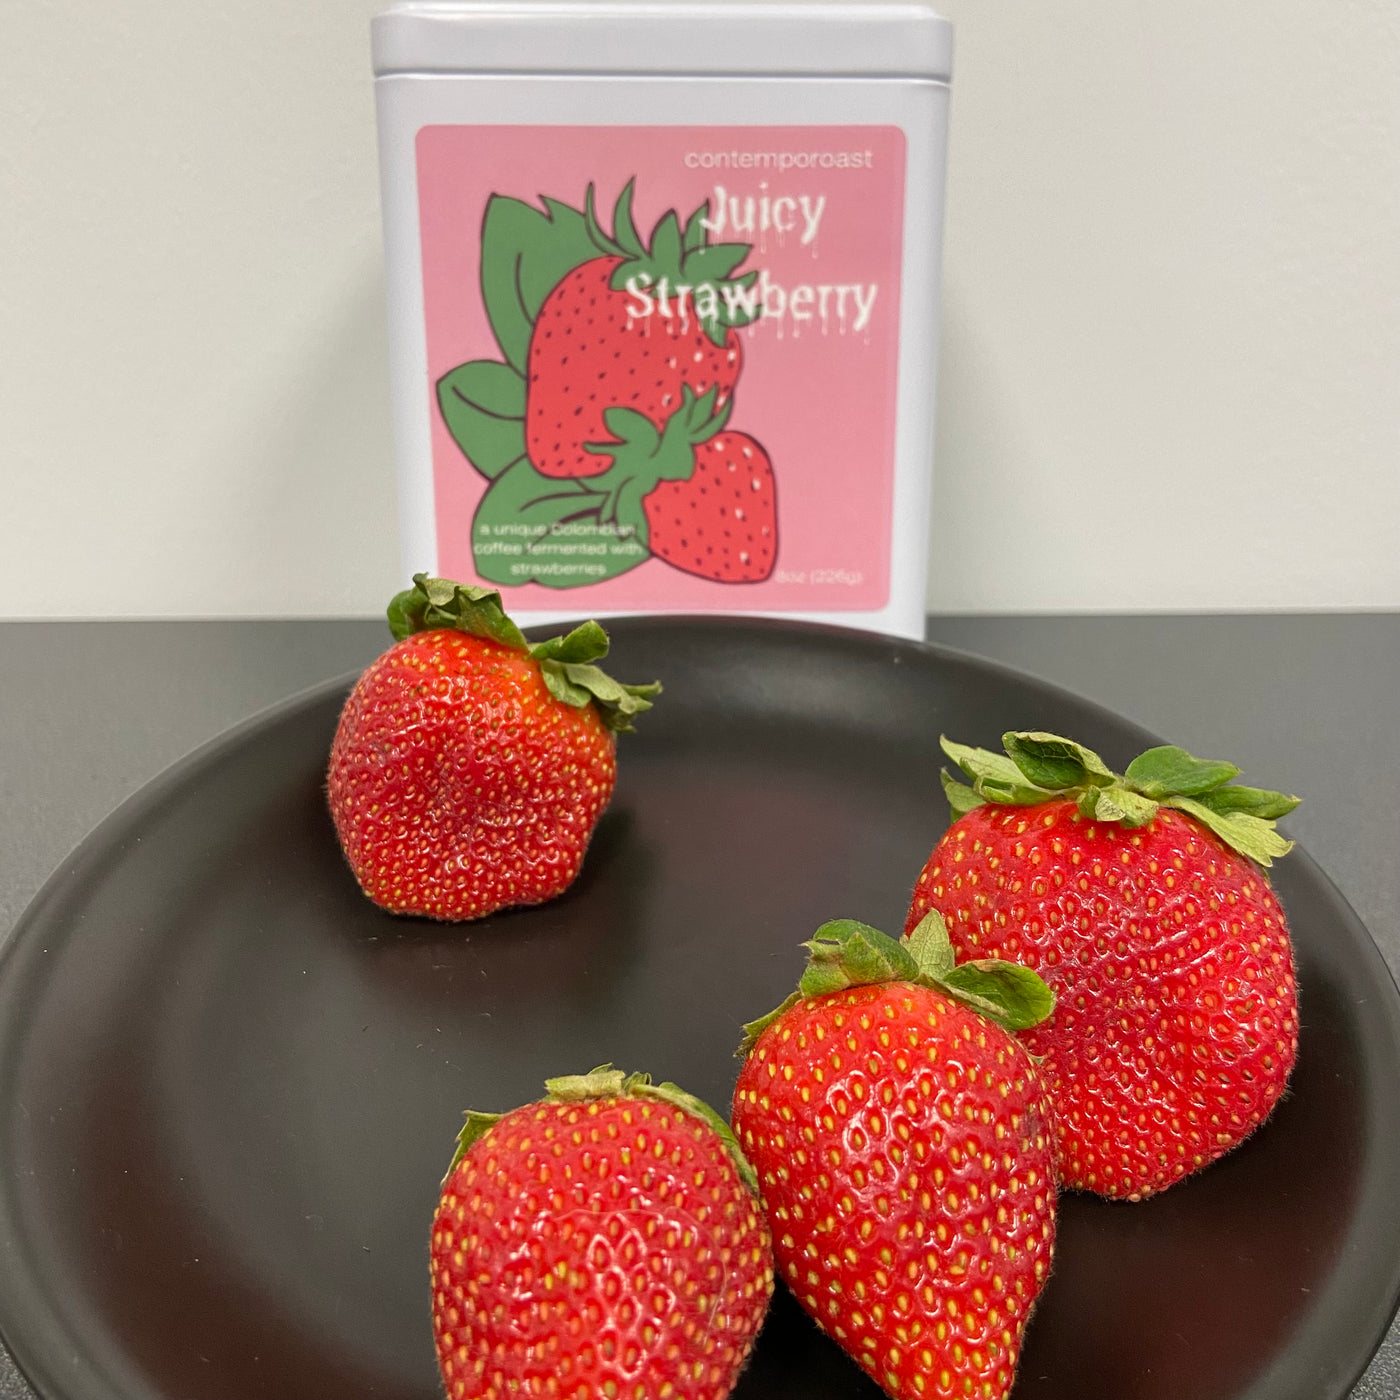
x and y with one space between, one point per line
721 523
905 1155
588 354
605 1248
1176 1021
459 785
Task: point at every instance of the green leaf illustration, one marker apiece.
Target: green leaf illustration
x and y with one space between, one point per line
713 262
695 231
483 405
530 528
525 254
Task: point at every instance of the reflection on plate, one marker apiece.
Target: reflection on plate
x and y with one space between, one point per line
229 1086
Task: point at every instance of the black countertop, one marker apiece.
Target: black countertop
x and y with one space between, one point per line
89 711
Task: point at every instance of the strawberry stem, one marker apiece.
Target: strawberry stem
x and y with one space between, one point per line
643 457
1039 767
566 663
847 953
439 602
681 257
605 1082
476 1126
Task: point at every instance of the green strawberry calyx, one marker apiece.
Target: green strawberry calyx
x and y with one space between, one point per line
605 1082
1039 767
645 456
567 663
847 953
677 263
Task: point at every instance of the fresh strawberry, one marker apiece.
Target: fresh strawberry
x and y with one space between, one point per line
905 1154
630 329
470 768
721 522
605 1242
1141 901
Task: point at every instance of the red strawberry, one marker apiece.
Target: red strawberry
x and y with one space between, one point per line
905 1155
604 1242
1140 901
722 522
597 345
469 768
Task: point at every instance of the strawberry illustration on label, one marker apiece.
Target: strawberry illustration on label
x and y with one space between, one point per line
603 432
631 329
707 495
722 522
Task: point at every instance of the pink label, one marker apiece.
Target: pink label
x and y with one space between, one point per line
663 362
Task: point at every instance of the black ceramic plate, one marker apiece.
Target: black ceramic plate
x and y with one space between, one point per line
229 1086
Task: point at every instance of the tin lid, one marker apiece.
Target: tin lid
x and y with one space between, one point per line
722 37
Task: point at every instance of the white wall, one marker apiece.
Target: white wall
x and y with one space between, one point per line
1171 373
1171 367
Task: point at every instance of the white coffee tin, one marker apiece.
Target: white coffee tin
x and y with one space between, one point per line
663 291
